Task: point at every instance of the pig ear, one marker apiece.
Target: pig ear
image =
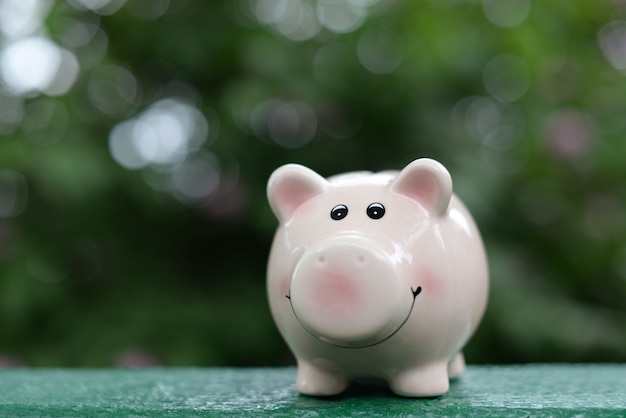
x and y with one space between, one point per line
427 182
290 186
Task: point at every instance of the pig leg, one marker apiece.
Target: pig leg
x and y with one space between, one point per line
313 380
456 366
422 381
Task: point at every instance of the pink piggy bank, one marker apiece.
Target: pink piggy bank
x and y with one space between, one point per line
375 275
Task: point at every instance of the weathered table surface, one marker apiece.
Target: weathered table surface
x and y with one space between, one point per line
505 391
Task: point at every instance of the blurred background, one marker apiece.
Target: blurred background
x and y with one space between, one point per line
137 137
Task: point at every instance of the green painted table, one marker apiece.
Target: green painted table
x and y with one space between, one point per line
503 391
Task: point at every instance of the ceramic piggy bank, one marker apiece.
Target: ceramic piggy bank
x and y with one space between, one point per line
375 275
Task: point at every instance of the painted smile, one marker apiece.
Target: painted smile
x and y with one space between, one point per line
414 292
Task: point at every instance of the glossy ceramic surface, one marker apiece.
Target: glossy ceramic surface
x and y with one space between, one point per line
375 275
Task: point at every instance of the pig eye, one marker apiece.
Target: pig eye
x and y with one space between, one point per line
376 210
339 212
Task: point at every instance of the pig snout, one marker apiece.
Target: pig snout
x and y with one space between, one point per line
348 293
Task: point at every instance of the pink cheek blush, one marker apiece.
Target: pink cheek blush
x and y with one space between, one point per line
430 283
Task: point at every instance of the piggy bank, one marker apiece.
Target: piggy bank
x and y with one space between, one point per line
375 275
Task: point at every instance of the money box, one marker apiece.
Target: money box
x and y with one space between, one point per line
375 275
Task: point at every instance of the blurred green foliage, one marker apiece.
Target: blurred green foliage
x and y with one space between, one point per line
161 260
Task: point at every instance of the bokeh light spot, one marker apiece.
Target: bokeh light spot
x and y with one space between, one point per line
480 117
499 127
328 58
270 11
380 51
30 64
102 7
340 16
196 178
289 124
294 19
36 64
147 9
612 39
113 90
300 20
569 133
45 271
299 23
94 49
123 148
19 18
506 13
164 134
78 33
65 76
506 78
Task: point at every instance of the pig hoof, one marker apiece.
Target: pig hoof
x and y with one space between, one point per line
456 366
425 382
314 381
